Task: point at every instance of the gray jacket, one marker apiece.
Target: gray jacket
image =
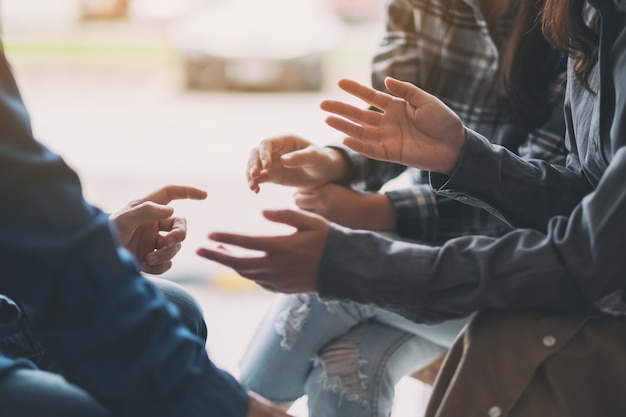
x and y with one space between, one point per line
567 251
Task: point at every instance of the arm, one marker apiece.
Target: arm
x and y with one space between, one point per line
417 129
576 262
350 208
569 268
107 326
426 216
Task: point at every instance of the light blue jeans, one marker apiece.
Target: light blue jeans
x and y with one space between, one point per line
346 357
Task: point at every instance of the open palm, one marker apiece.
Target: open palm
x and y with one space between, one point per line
413 127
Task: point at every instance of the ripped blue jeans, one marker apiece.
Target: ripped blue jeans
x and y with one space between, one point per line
346 357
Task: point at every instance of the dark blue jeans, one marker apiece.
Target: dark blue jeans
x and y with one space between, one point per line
43 391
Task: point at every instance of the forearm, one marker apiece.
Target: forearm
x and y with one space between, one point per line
522 193
112 333
575 263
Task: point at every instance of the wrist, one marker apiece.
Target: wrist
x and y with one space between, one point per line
338 166
380 213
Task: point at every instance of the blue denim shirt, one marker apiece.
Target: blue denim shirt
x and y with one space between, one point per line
567 251
101 321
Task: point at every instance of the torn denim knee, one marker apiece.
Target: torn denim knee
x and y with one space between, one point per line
342 368
290 321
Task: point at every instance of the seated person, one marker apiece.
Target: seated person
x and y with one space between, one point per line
122 348
347 357
549 336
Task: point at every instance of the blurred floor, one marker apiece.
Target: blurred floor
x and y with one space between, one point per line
128 127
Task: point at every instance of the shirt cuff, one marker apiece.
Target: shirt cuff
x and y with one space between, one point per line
416 211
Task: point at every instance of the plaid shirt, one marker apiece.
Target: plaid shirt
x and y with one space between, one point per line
446 48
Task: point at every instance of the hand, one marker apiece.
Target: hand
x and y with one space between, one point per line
347 207
293 161
287 263
414 129
262 407
147 229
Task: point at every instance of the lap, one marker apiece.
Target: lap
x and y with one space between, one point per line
36 393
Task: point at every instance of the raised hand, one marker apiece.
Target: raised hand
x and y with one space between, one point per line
283 263
148 230
414 128
347 207
293 161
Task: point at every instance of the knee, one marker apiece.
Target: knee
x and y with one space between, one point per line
338 376
30 392
189 309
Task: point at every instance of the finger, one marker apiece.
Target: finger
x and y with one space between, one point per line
350 112
255 183
348 128
374 150
265 153
143 213
301 220
174 232
170 193
253 167
307 157
372 97
257 243
161 256
306 200
156 270
254 186
236 262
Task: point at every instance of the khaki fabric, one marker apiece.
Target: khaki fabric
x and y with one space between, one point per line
534 365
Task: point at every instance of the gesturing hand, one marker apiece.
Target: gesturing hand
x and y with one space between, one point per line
147 229
293 161
286 263
414 128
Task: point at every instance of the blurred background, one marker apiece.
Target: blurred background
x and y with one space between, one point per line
137 94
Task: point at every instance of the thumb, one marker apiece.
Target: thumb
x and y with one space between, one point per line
143 213
409 92
299 219
309 157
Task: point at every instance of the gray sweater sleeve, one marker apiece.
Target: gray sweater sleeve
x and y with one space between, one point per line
575 260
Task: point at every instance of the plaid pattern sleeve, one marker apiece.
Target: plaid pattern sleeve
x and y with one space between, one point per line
416 210
445 47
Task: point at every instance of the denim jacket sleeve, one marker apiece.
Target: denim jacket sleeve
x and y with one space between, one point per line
104 323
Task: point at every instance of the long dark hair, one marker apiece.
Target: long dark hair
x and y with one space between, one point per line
564 25
529 65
